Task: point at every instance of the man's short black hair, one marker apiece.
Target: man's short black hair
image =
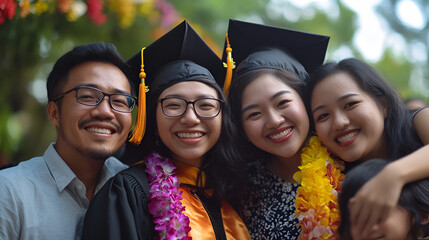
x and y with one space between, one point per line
98 52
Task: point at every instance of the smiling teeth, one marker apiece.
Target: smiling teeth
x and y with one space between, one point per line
281 134
347 137
189 135
99 130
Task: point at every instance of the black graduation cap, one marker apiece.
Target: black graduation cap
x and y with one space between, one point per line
261 46
179 55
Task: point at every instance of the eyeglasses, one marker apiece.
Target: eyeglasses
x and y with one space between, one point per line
203 107
90 96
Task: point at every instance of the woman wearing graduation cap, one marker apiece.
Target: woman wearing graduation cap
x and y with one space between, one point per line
179 190
266 98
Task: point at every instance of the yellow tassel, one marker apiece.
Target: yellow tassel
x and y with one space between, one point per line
140 128
229 66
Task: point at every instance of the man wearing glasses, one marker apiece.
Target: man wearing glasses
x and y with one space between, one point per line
90 104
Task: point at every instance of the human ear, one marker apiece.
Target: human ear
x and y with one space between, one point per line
53 113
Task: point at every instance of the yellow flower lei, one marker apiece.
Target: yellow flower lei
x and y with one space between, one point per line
316 201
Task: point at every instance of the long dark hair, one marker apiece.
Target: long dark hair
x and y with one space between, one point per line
248 151
399 131
414 196
220 164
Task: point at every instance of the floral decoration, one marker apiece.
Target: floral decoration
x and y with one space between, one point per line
7 9
317 199
125 10
95 11
164 199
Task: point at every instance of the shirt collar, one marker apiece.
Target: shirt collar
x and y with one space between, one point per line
109 170
59 170
63 175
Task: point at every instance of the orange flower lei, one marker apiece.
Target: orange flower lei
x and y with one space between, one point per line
316 201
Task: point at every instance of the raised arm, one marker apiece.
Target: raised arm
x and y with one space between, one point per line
375 199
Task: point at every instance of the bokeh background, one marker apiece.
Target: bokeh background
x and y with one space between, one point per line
391 35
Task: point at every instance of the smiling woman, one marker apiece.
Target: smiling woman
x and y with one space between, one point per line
266 98
189 136
344 113
358 116
262 99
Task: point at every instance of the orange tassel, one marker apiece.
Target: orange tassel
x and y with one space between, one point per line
140 128
229 66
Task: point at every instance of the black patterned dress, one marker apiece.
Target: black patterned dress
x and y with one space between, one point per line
269 205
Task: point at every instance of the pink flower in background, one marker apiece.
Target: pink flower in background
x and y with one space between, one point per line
95 11
168 13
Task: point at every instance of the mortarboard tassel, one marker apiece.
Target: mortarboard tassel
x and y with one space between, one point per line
140 128
229 66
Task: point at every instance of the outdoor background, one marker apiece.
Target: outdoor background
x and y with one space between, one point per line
391 35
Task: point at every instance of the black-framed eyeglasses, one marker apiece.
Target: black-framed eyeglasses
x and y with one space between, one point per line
91 96
203 107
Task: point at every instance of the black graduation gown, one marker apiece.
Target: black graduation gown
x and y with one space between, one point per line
120 209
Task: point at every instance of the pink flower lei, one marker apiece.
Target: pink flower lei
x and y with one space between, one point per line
164 199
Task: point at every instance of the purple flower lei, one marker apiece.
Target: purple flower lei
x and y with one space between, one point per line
164 199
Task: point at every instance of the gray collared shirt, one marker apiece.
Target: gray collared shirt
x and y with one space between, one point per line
43 199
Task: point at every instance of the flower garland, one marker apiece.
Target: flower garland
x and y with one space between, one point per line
317 199
164 199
